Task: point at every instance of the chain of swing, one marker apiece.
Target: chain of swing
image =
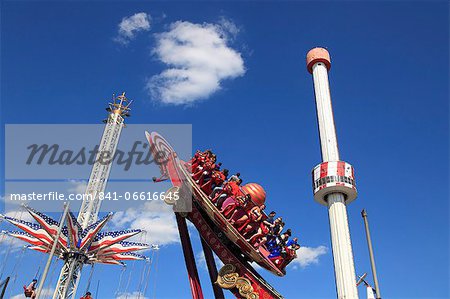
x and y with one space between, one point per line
144 280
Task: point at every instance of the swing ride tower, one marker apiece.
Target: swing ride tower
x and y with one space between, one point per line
333 179
73 263
79 240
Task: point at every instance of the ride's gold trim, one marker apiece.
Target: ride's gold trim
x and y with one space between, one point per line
228 279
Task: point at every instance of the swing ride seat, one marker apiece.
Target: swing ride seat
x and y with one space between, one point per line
26 292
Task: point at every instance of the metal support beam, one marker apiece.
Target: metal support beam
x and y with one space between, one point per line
5 285
68 279
52 252
212 270
189 258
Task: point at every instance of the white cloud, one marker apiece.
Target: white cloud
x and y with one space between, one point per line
133 295
77 186
308 255
10 245
201 260
10 203
129 26
229 27
156 218
198 59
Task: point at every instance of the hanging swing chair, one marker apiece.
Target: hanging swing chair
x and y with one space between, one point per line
29 291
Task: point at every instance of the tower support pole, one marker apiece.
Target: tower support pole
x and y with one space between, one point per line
52 252
5 285
372 257
333 179
194 281
212 270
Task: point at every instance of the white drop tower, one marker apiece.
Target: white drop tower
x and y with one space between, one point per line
333 179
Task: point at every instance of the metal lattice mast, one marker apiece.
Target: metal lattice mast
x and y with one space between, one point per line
74 261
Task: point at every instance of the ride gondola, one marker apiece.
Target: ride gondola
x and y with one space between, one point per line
178 171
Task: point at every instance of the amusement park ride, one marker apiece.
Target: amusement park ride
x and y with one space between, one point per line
81 241
333 186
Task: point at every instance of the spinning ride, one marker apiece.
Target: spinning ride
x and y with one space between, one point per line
217 234
81 241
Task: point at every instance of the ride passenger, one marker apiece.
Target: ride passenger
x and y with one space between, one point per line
284 237
289 253
218 178
274 232
194 159
197 160
241 215
270 218
232 203
30 290
235 177
87 296
260 235
200 161
293 244
255 216
232 189
205 170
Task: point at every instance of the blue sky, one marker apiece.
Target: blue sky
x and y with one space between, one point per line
389 85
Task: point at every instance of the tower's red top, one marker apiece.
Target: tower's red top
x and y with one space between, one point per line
317 55
256 192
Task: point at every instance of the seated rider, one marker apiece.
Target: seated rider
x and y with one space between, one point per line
231 204
216 179
255 216
270 218
241 215
293 244
259 235
232 189
30 290
194 159
282 254
235 177
274 232
216 190
205 170
87 295
201 159
198 160
284 238
289 253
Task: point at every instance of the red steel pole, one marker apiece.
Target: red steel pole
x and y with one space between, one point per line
212 270
194 281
